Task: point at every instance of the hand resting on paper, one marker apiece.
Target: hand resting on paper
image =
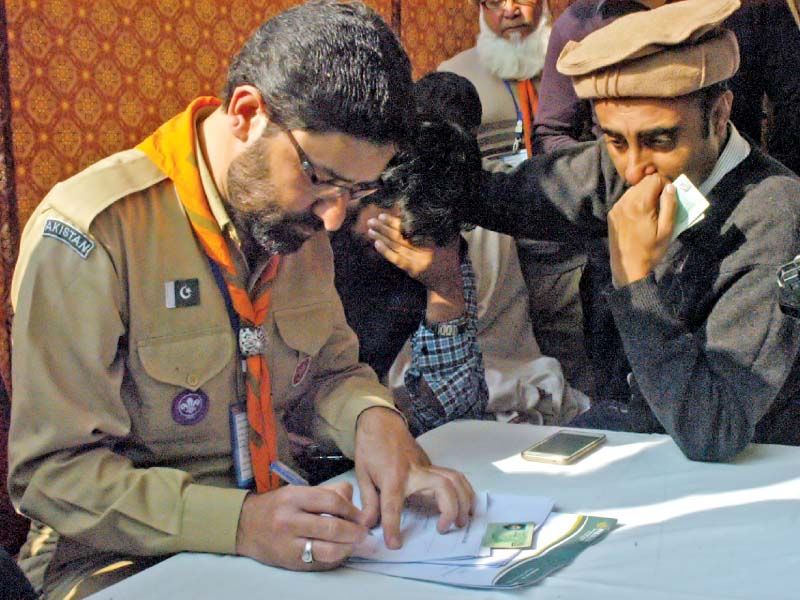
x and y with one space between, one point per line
391 466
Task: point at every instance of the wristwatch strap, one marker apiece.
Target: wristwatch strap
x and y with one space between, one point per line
447 328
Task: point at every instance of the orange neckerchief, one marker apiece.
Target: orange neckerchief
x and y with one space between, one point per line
172 149
529 106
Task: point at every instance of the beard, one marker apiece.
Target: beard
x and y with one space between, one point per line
516 58
255 210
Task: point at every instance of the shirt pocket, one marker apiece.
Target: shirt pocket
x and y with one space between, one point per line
174 367
303 331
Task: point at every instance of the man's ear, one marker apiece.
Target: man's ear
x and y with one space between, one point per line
247 113
721 113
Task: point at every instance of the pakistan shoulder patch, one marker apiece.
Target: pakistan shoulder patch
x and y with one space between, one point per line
73 238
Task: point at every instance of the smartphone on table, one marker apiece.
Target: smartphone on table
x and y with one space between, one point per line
563 447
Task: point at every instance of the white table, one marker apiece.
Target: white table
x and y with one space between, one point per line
689 531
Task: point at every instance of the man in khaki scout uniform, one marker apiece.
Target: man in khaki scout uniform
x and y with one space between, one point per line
137 278
711 351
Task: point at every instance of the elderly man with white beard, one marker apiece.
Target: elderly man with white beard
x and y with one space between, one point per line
505 65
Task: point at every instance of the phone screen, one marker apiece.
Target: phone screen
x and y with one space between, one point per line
564 444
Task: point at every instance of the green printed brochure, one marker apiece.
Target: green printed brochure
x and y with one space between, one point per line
557 543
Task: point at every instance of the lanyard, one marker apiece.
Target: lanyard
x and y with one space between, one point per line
518 129
226 296
233 317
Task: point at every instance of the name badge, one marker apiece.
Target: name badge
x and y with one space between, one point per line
240 445
514 159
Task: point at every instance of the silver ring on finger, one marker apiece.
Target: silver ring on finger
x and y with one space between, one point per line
307 556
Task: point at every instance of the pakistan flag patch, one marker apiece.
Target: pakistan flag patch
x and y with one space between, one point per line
73 238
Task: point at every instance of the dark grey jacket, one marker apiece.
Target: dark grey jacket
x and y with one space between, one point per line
713 358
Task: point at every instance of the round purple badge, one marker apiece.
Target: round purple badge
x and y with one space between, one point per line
189 408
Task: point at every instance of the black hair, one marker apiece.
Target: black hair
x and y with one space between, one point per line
327 66
445 96
431 179
708 98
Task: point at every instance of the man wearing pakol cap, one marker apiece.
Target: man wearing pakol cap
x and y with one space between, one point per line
769 49
769 67
713 359
564 119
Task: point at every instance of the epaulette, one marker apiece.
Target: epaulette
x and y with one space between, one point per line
88 193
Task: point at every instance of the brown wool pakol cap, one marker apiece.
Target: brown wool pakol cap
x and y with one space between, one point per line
665 52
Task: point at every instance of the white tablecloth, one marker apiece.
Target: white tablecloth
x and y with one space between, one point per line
689 530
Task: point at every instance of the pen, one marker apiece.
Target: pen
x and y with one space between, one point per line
291 477
286 473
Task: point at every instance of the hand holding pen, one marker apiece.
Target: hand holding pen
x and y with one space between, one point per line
300 527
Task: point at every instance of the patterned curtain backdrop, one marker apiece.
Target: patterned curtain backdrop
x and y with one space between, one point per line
435 30
91 77
12 526
9 225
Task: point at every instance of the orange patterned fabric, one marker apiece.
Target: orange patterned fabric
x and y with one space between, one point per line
9 225
434 30
12 526
92 77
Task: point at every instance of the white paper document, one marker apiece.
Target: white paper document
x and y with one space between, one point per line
691 207
421 540
423 543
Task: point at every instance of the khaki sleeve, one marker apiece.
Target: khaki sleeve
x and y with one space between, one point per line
69 425
346 387
794 7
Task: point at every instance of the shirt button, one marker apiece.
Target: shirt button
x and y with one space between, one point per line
192 380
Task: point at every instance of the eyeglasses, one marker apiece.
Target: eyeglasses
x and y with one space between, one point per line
326 189
498 5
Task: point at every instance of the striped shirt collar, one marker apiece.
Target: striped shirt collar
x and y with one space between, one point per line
736 150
